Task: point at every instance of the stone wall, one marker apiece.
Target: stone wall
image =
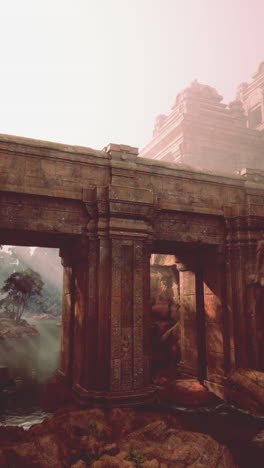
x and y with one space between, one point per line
108 211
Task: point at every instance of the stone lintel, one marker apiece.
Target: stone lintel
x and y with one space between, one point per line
130 194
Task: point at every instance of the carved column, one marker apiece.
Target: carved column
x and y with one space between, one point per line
130 313
244 291
111 352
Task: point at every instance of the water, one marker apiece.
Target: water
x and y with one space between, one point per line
23 416
32 363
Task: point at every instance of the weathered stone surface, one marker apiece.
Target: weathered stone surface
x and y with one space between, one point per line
177 448
106 461
246 389
108 211
95 438
186 392
79 464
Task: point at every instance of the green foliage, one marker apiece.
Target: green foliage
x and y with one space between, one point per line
19 287
47 263
136 457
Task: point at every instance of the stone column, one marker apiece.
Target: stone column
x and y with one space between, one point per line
111 352
217 337
90 330
65 370
130 315
236 305
244 291
189 302
111 335
240 261
111 263
255 300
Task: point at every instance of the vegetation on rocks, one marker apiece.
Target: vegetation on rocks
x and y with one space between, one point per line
136 457
10 329
46 263
246 389
19 287
150 440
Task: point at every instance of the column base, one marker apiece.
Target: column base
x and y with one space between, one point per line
134 398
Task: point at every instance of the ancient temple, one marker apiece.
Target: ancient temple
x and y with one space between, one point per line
108 212
204 132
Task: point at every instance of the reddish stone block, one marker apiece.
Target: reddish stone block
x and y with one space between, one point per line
187 282
213 309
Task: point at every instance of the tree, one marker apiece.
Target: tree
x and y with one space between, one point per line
19 288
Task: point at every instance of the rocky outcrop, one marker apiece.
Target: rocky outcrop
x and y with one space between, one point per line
10 329
115 438
185 392
245 388
175 447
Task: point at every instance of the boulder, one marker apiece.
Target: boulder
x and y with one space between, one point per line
107 461
94 438
245 388
79 464
186 392
173 447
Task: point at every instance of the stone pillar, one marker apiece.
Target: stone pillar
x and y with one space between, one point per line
229 316
190 301
86 339
244 291
236 305
217 339
130 315
111 352
112 311
255 300
65 370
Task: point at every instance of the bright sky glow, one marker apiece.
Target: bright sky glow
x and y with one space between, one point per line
91 72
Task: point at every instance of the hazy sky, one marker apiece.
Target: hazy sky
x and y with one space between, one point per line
91 72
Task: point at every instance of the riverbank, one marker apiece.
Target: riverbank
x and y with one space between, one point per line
34 357
125 438
12 330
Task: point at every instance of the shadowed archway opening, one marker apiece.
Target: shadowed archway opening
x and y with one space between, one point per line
187 312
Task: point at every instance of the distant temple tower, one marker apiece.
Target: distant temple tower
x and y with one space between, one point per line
252 97
202 131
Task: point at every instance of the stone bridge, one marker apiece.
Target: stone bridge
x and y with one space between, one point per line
108 211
